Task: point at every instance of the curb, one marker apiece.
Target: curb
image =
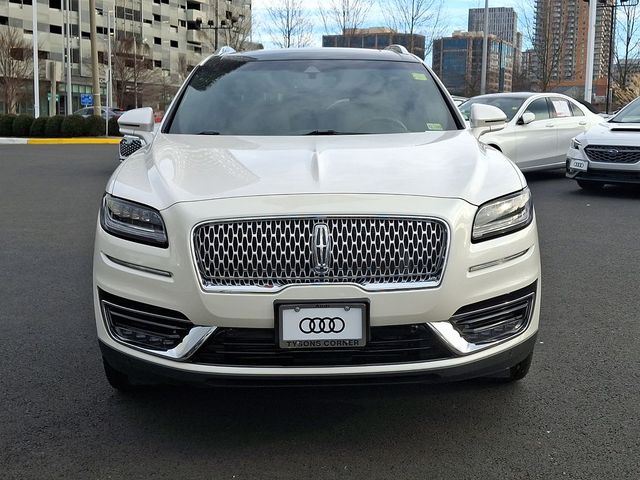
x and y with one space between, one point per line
60 141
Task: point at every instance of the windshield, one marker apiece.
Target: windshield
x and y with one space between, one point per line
629 114
509 105
241 96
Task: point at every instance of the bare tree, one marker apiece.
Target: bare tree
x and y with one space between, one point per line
344 16
630 92
289 26
16 66
628 29
131 66
546 31
415 16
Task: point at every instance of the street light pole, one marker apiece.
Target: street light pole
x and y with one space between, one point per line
611 44
135 71
591 47
485 49
95 74
36 67
66 19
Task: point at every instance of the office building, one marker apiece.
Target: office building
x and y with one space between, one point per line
376 38
457 60
560 45
159 40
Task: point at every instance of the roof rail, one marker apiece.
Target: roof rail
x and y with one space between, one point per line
226 50
397 48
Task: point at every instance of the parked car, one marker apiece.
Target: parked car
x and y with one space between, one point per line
459 100
361 234
90 111
608 152
539 129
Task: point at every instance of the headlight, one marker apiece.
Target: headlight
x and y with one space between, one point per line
575 144
503 215
133 221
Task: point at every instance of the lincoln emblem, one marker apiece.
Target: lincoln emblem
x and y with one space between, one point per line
321 248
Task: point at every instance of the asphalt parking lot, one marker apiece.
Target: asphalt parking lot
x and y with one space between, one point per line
577 414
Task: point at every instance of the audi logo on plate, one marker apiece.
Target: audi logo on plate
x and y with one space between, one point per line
321 325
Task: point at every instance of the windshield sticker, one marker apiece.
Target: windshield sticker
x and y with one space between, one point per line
434 126
419 76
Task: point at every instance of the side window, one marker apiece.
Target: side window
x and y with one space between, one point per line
561 108
576 110
87 111
540 109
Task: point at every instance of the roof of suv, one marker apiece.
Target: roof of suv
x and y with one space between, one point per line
325 53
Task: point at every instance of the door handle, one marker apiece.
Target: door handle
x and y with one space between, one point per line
550 125
582 123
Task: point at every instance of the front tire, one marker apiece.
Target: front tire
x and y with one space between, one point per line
590 186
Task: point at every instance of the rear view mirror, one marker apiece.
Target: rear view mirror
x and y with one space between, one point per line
527 118
137 126
486 118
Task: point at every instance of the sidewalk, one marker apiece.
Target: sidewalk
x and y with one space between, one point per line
60 141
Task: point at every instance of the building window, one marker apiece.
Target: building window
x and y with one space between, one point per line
174 43
157 41
156 17
4 20
157 63
57 4
55 29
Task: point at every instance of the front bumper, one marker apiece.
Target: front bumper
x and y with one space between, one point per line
474 273
144 371
602 172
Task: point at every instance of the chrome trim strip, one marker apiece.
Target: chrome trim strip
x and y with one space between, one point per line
454 340
135 266
379 287
500 261
181 352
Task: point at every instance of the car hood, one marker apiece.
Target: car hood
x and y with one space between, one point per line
607 133
187 168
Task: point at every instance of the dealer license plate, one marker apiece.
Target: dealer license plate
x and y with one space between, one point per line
578 165
330 325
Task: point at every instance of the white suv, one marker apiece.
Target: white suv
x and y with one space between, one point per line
315 216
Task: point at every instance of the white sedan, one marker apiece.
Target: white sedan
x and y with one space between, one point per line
539 129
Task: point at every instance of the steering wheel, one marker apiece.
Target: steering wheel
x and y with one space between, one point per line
378 123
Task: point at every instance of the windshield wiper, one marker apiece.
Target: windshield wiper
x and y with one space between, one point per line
331 132
208 132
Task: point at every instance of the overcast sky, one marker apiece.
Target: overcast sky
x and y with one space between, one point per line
454 15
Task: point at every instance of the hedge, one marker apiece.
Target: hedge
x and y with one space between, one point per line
52 128
114 128
22 125
57 126
73 126
94 126
6 125
38 127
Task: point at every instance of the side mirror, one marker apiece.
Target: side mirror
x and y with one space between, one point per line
527 118
486 118
137 126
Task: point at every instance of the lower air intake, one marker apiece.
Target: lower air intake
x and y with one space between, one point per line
498 319
143 325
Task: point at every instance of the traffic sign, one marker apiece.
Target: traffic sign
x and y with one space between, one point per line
86 99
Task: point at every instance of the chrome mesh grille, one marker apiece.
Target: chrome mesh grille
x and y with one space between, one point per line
272 253
613 154
128 146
